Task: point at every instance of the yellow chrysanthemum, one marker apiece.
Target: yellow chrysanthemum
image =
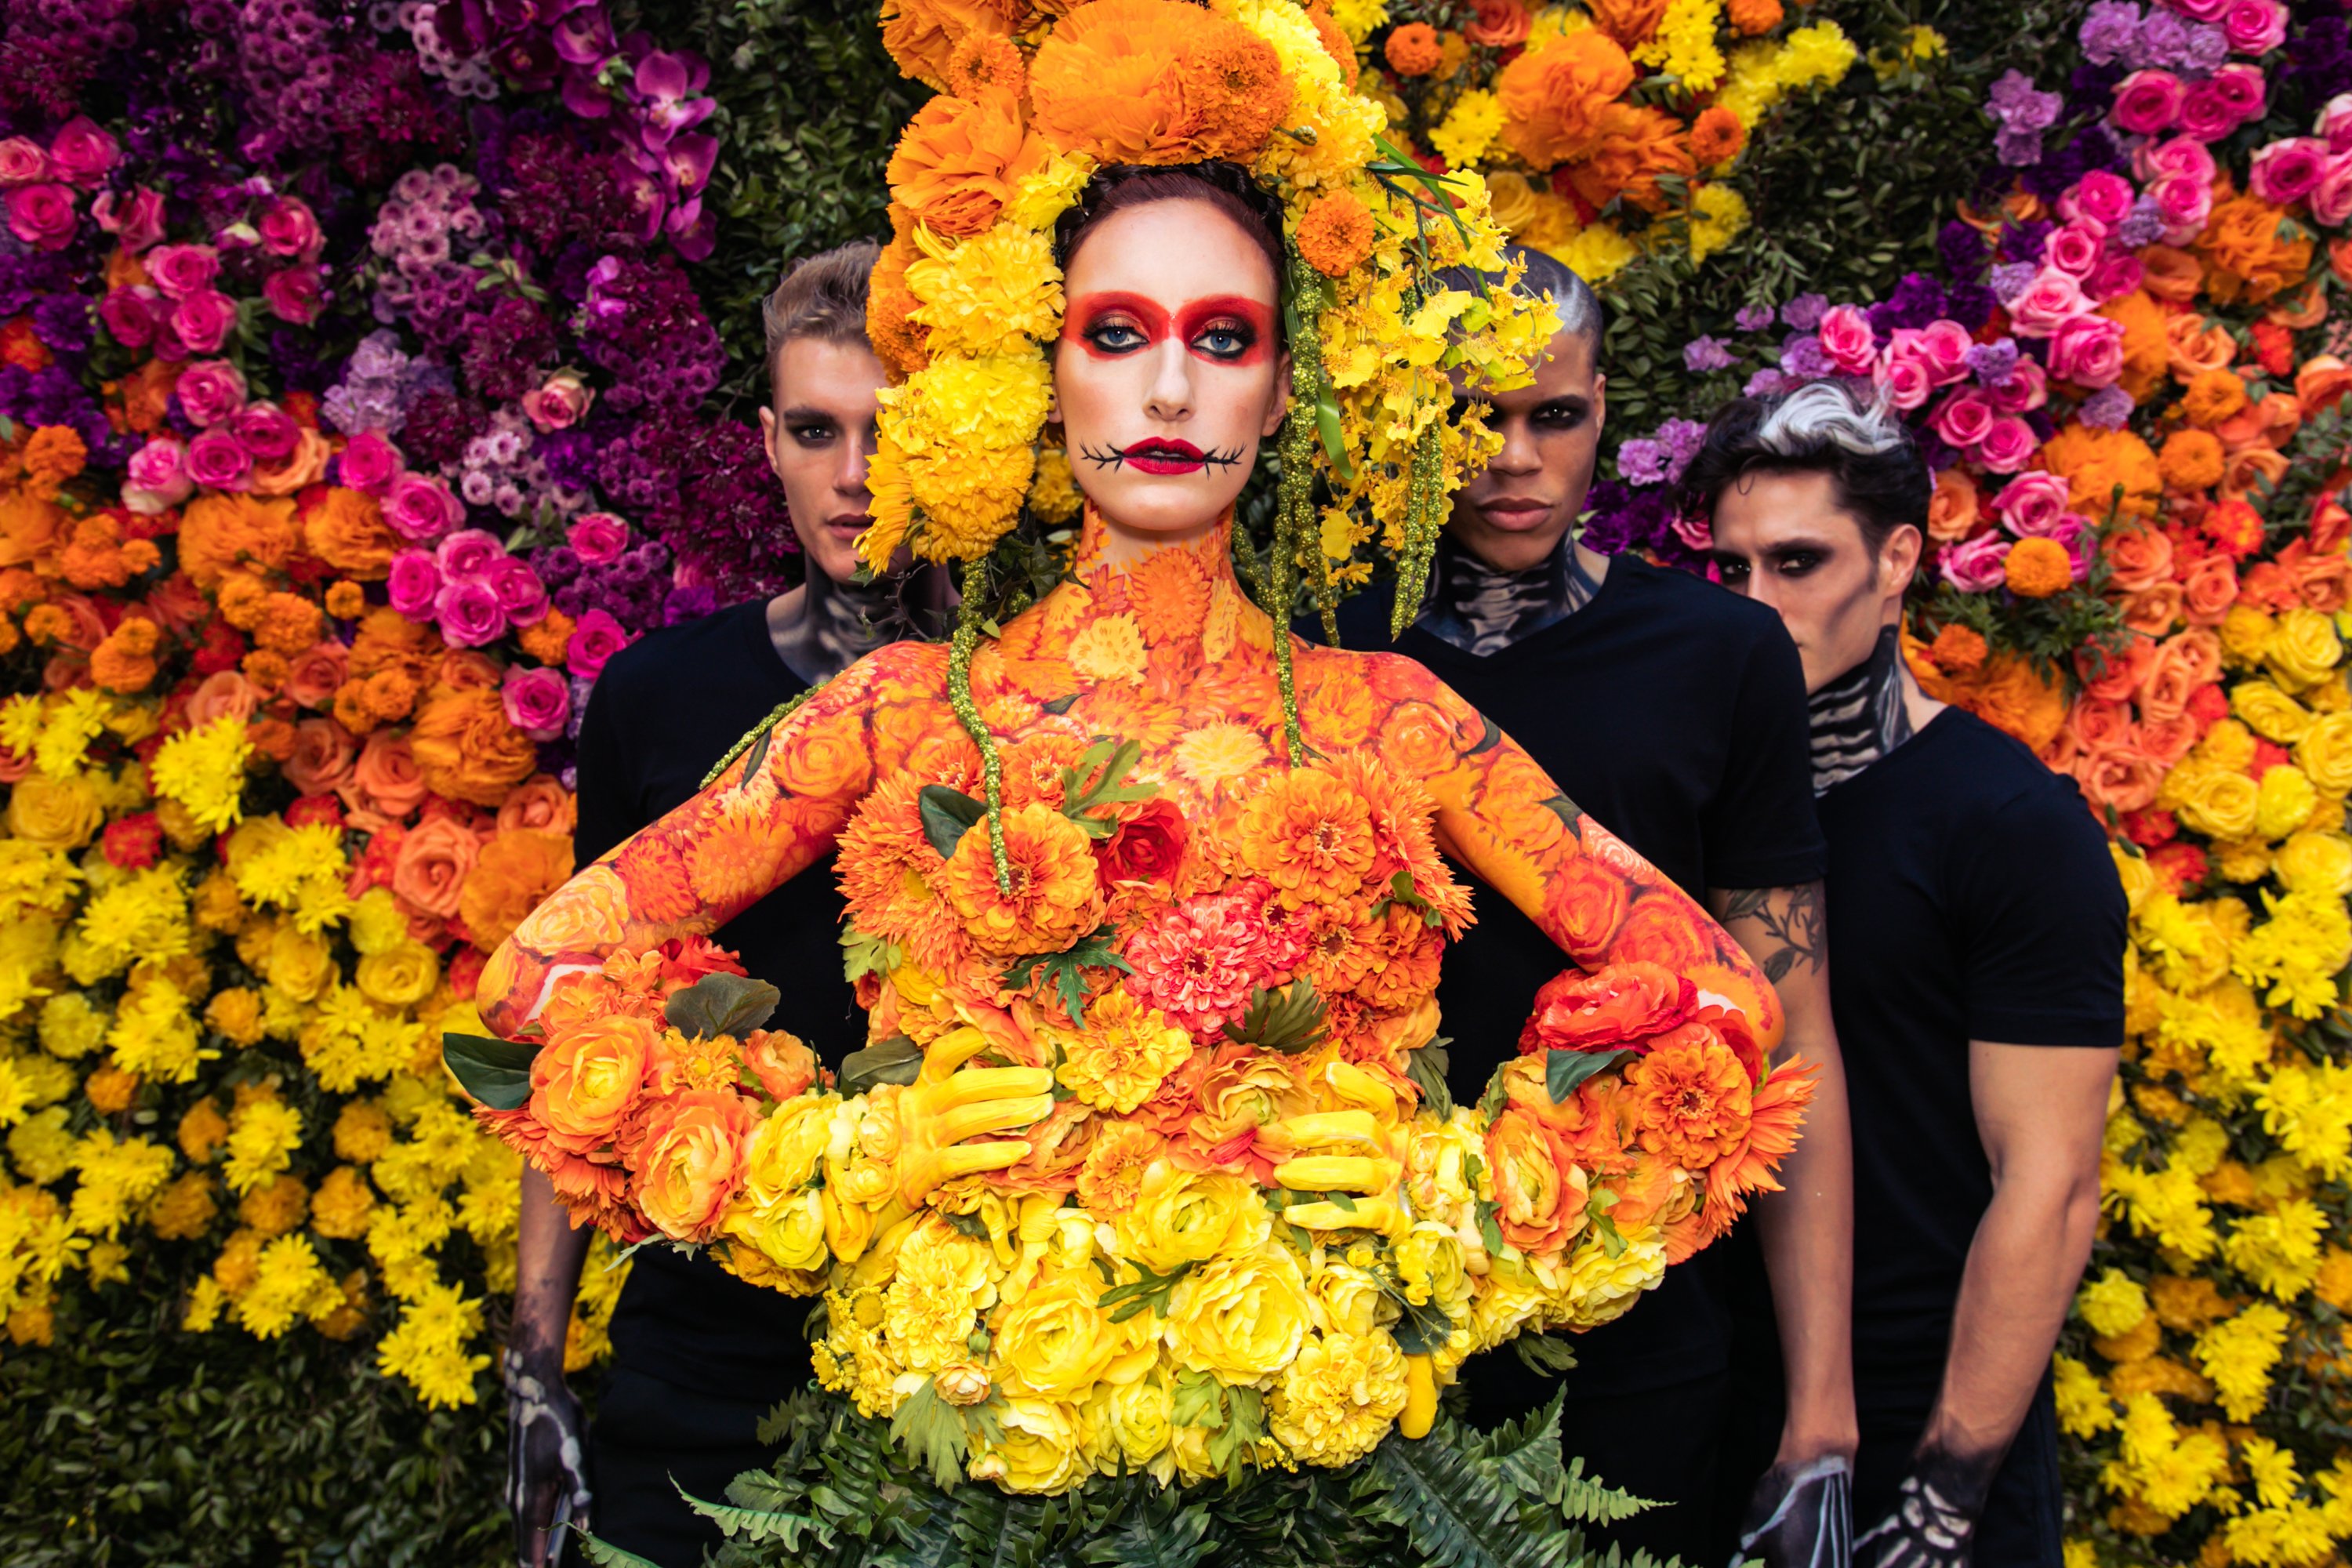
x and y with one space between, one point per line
989 296
204 770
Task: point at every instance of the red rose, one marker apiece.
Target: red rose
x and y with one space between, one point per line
1611 1008
1146 847
309 808
132 844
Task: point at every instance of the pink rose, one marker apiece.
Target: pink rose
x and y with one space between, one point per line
2331 203
267 431
2088 351
289 228
157 476
559 403
597 637
2334 124
293 293
2198 10
520 593
1945 346
1962 418
82 153
413 584
598 538
2032 504
2285 172
43 215
1847 339
2009 445
204 320
2183 205
2179 156
2117 274
183 269
537 703
1976 565
467 554
218 461
2242 89
1903 376
422 509
131 315
2074 250
2051 298
211 392
370 463
468 614
2073 530
2099 198
137 220
22 162
1696 532
2147 101
2254 27
2027 389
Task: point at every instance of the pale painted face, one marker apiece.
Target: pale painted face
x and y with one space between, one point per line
1169 371
1785 540
819 434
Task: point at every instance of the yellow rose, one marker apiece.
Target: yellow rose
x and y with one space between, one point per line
2316 863
1052 1344
2305 648
2325 752
1133 1422
1348 1299
2270 713
55 814
1242 1317
784 1153
1039 1448
2283 801
298 963
2137 875
1337 1396
790 1233
1430 1262
2219 804
2246 634
398 977
1181 1217
1598 1288
962 1384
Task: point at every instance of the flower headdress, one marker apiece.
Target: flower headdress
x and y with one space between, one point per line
1033 98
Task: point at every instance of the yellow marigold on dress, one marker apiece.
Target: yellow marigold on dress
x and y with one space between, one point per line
1311 836
1337 1398
1055 899
1119 1058
1241 1316
1337 233
944 1280
2037 568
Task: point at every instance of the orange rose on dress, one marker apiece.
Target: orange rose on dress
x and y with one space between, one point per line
780 1061
1618 1006
585 1083
690 1160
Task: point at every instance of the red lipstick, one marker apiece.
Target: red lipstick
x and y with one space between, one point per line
1158 454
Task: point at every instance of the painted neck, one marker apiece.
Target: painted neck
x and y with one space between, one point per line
1103 544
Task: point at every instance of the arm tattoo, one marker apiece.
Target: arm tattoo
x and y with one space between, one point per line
1791 919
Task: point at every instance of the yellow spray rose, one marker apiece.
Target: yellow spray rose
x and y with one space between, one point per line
790 1233
1131 1421
2316 863
2325 752
55 814
1040 1447
2303 649
1053 1343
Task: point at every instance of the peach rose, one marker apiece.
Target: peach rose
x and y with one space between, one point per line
539 804
784 1064
431 866
385 783
2155 611
2137 557
1952 510
314 673
691 1161
2120 777
2121 674
2321 580
225 694
2093 722
2208 590
323 751
584 1084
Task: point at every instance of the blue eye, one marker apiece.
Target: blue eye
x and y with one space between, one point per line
1116 337
1224 342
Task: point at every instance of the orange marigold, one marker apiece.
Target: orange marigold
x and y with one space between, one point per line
1053 898
345 600
288 624
958 162
1751 17
548 638
1638 143
892 876
466 748
922 35
1413 49
1311 836
55 454
1334 39
346 529
516 870
218 532
1630 22
125 661
985 62
1231 80
1553 95
1336 234
1691 1098
2191 460
2037 568
2105 470
267 670
1155 81
2147 343
1717 136
21 346
2252 249
2212 397
900 343
1958 649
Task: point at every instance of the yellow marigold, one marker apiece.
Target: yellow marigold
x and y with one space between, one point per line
944 1280
1468 129
991 295
2037 568
1054 490
343 1205
2213 396
275 1207
1118 1059
1055 896
183 1208
1719 215
1595 253
1337 1396
1311 836
1337 233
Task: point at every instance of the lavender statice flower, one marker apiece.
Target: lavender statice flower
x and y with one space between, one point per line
1702 354
2143 225
2110 29
2163 39
2206 48
2010 279
1753 318
1643 461
376 389
1682 439
1993 364
1805 313
1765 383
2105 409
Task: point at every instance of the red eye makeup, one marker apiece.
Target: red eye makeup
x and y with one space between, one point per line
1223 329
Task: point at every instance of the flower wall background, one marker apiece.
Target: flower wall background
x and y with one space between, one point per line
370 377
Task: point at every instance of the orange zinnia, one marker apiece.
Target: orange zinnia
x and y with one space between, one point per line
1413 49
1692 1099
1553 95
1054 899
1311 836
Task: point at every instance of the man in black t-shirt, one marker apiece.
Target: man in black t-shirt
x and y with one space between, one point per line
1675 714
698 1356
1978 927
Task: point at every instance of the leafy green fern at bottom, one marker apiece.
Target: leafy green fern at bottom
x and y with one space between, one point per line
842 1495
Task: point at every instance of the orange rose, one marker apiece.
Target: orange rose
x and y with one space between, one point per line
1419 741
432 864
2321 580
586 1082
298 470
539 804
2208 590
691 1160
1540 1190
1952 510
2195 346
225 694
2322 383
1500 23
2252 473
1619 1003
313 675
2092 722
782 1063
385 784
2272 421
464 747
1691 1098
2120 778
2154 611
1586 902
323 752
515 871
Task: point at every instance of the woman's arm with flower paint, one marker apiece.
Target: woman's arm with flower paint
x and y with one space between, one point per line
770 814
1500 813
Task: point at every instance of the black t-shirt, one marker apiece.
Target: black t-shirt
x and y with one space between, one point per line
1971 896
665 708
1673 711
